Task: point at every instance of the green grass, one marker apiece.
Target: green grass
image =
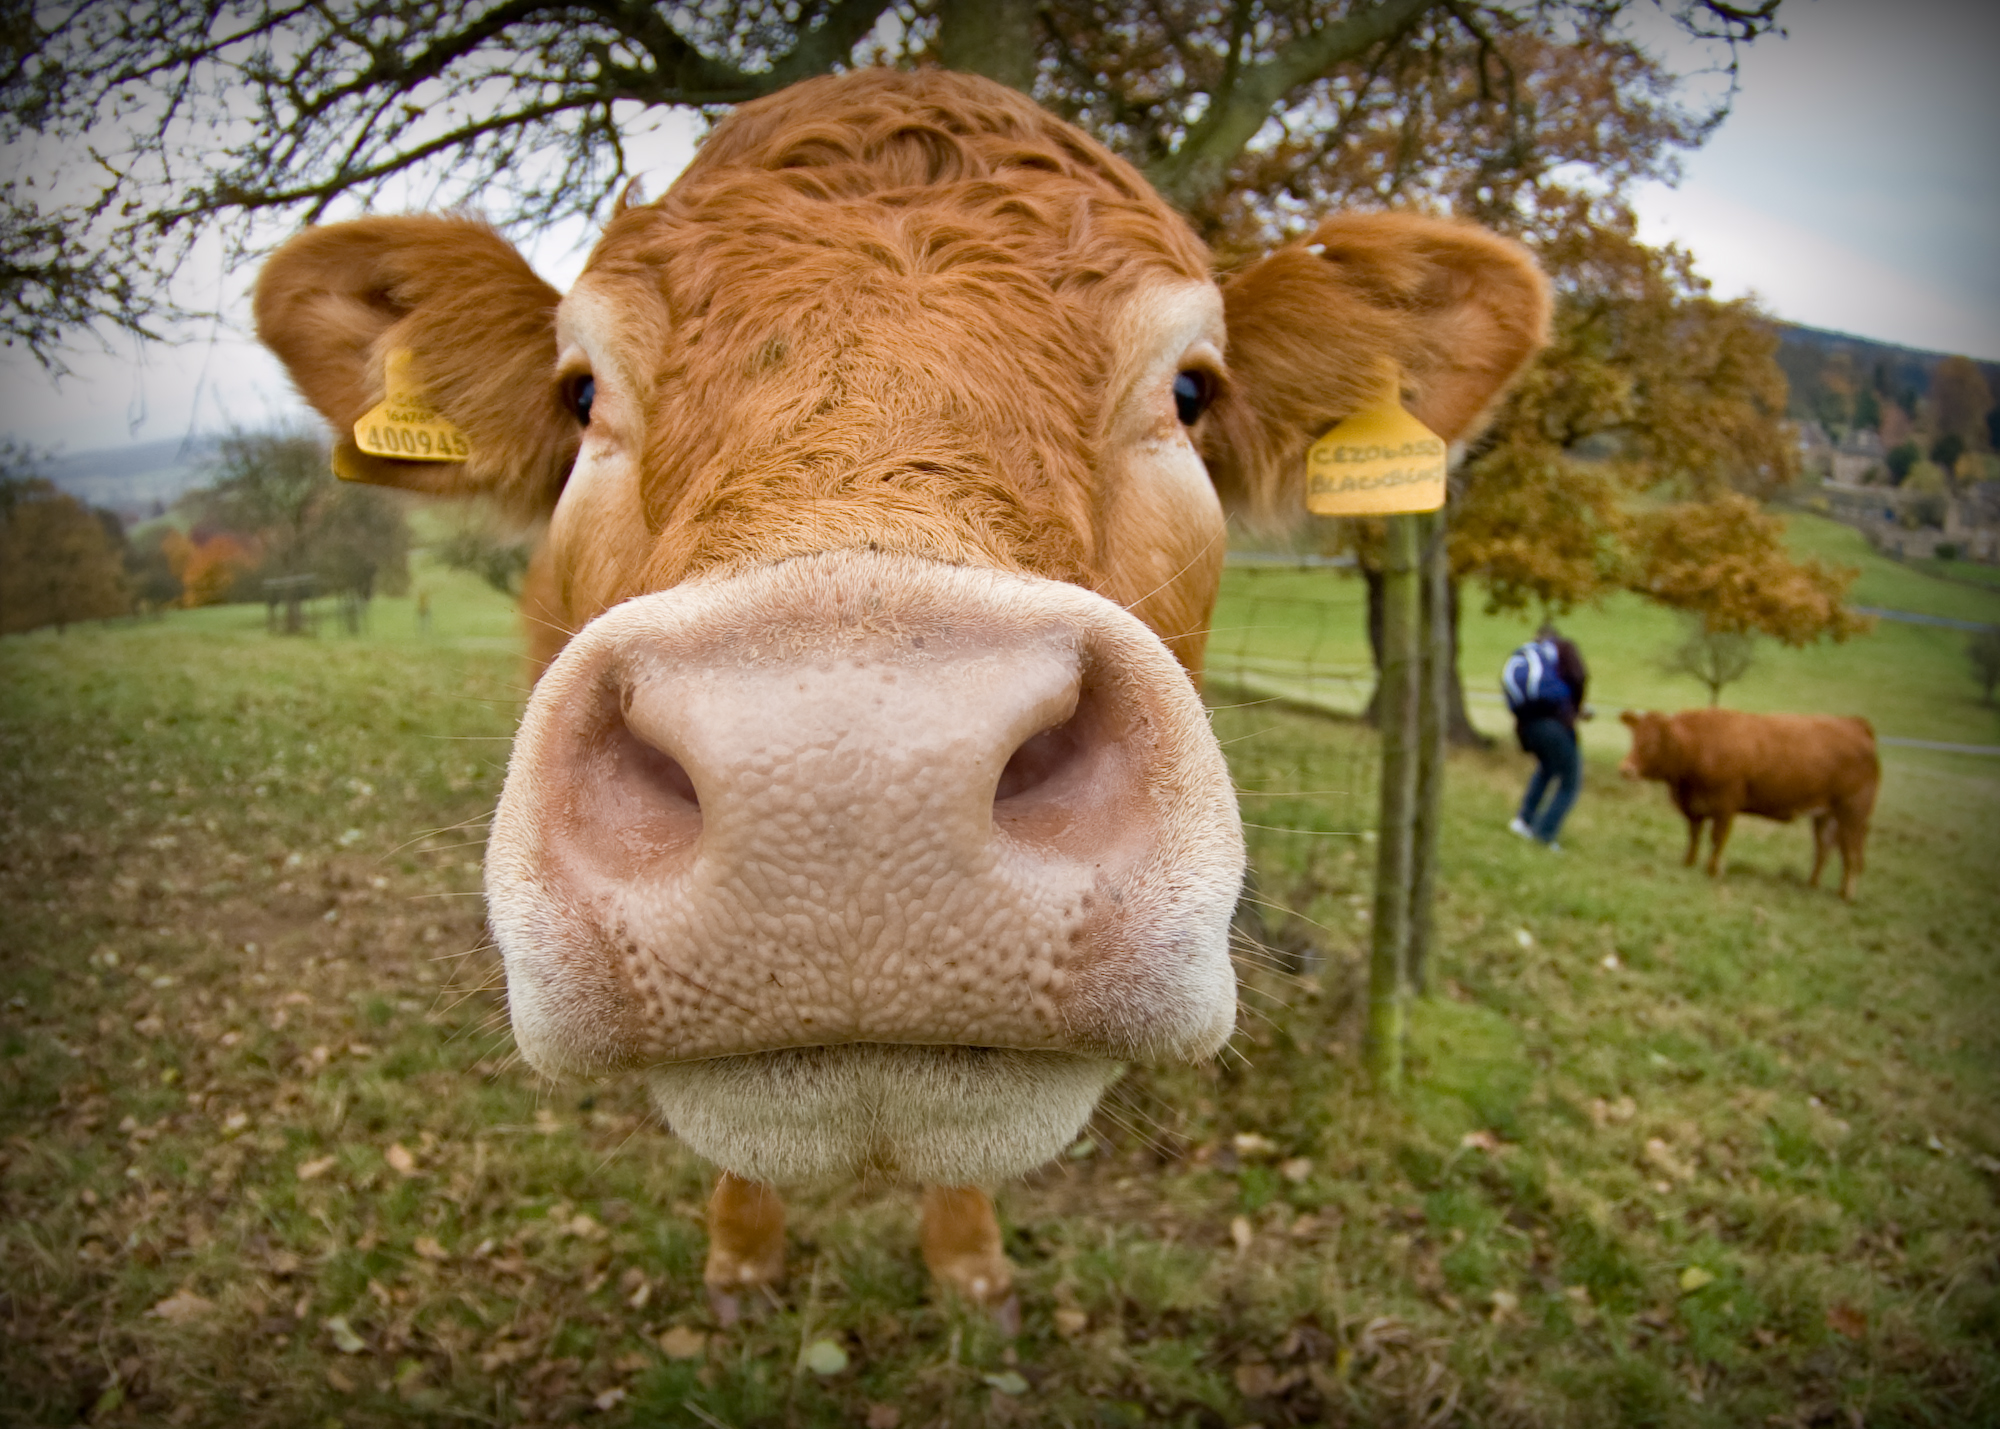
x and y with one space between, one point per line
258 1108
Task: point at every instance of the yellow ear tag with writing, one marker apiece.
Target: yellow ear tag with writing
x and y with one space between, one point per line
404 424
1379 461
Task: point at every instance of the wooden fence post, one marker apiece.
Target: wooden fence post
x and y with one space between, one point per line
1388 973
1434 577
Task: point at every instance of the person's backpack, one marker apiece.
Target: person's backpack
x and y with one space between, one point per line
1530 682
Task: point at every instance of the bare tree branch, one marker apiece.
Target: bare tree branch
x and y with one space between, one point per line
1199 165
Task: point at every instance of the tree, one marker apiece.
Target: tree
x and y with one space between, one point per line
275 494
480 544
220 115
1983 650
1960 401
1714 657
58 561
1901 458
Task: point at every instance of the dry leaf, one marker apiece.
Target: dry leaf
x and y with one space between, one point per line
824 1357
339 1380
1254 1381
1070 1323
1848 1320
181 1307
1295 1170
399 1157
344 1338
609 1400
681 1343
1481 1140
1007 1382
1694 1277
1249 1143
1505 1303
429 1249
1240 1232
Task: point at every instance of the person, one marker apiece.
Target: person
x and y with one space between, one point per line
1544 682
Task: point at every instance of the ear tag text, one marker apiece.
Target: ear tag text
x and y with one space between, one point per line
1379 461
404 424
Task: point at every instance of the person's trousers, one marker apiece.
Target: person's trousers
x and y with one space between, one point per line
1558 776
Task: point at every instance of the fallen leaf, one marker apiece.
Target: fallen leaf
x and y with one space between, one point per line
883 1416
1693 1278
399 1157
1295 1170
1254 1381
429 1249
1249 1143
681 1343
584 1227
1070 1323
1481 1140
181 1307
1505 1303
609 1400
1007 1381
824 1357
344 1338
1240 1232
338 1380
1845 1319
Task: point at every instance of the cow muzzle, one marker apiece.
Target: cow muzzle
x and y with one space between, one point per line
863 847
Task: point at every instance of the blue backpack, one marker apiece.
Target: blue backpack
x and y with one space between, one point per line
1530 682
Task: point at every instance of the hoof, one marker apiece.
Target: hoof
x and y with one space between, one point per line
725 1306
1007 1315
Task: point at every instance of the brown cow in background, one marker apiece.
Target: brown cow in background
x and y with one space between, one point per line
1721 763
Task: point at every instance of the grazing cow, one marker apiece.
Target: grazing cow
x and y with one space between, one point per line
864 802
1721 763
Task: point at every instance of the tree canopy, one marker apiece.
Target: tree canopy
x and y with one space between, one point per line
138 128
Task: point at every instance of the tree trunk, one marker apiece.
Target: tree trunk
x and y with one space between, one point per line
1388 973
995 38
1459 730
1436 668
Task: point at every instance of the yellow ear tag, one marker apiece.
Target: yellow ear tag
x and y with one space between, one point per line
404 425
1379 461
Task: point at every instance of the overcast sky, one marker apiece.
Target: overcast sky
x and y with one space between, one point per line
1854 187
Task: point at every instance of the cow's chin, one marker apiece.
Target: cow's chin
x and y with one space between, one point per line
929 1115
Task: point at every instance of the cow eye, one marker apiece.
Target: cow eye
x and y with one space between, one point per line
1193 391
580 397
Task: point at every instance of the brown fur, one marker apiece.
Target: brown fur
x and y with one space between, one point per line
1720 763
884 312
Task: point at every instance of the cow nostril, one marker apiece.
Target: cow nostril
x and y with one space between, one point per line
662 774
1040 760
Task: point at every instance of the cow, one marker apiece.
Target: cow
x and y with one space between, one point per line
1721 763
864 803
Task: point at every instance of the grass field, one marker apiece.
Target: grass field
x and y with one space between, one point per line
1674 1153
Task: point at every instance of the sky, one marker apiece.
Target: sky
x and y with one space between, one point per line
1855 186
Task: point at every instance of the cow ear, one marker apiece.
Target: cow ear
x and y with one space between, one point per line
1457 310
430 312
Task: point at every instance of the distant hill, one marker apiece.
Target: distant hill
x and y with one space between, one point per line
135 481
1901 372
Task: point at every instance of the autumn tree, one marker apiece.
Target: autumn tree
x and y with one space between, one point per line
60 561
240 116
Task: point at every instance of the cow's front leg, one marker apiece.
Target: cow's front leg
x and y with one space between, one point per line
1823 835
746 1243
1718 835
1694 841
962 1247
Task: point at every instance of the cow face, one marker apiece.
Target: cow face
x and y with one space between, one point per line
865 802
1647 757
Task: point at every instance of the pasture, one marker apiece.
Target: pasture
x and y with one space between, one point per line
1673 1154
